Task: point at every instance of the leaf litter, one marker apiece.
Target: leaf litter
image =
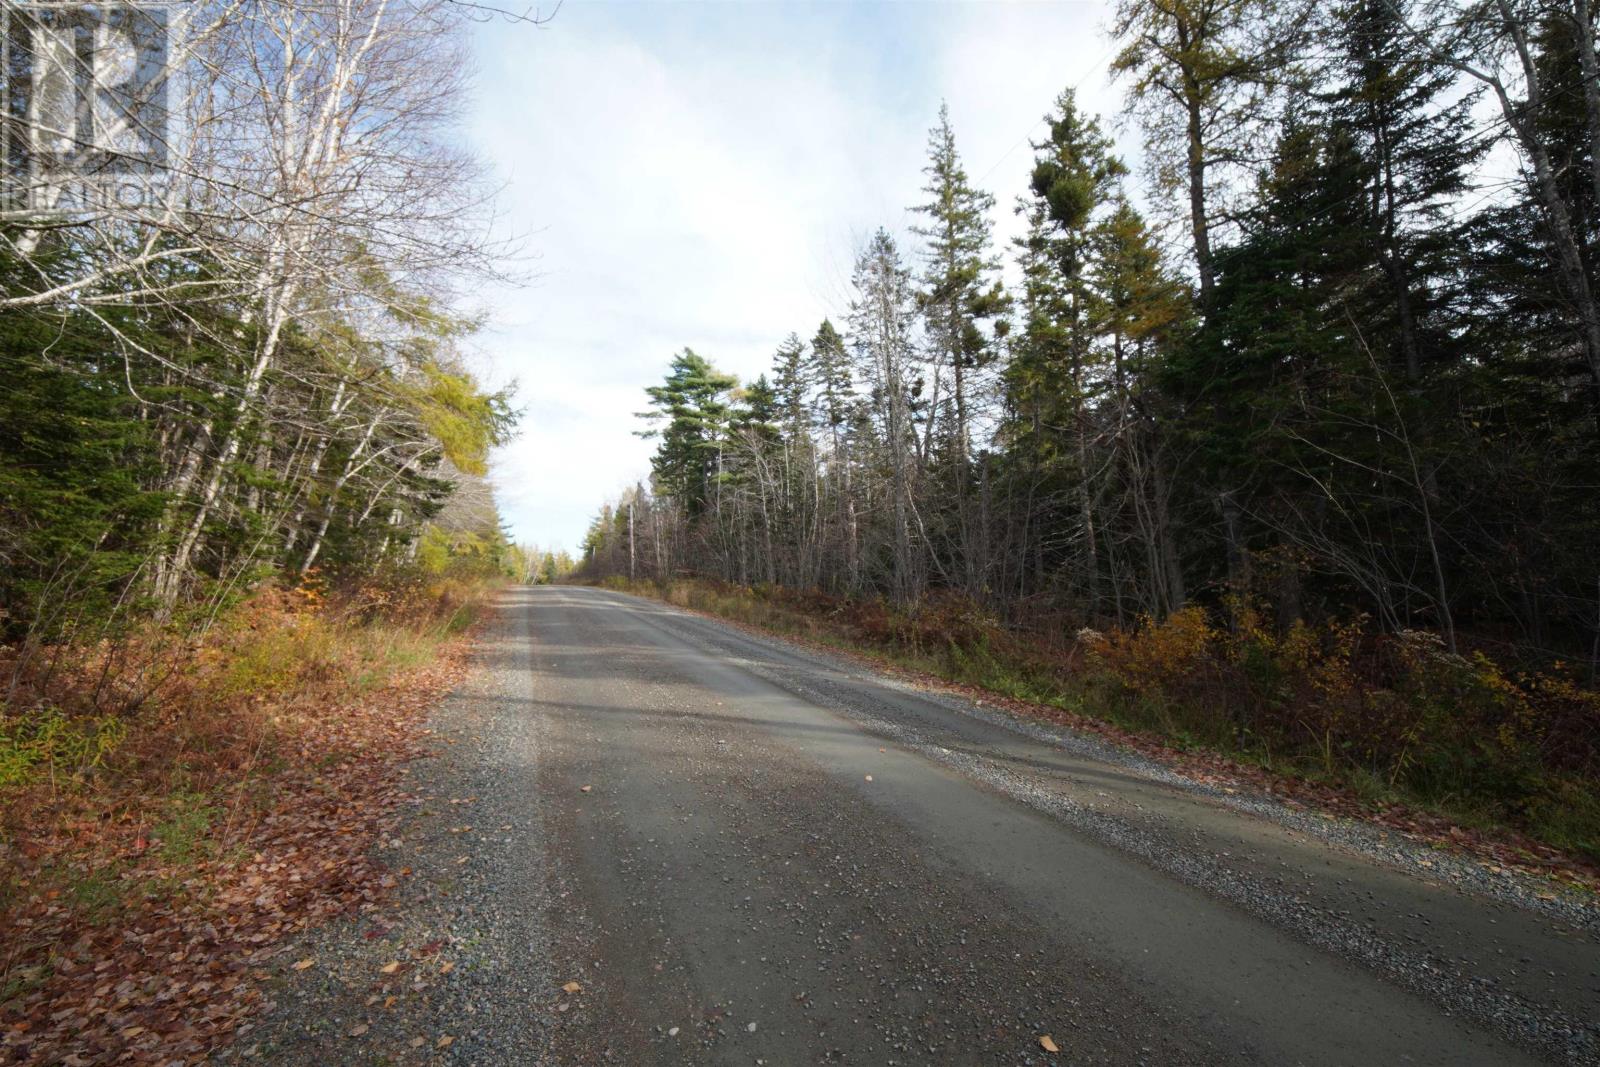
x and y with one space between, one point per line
180 972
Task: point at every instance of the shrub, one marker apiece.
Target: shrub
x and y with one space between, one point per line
43 740
1163 657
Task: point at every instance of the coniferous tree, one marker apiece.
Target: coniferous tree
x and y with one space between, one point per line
960 293
1409 129
1359 383
789 385
882 318
1142 311
836 408
1073 180
1200 76
830 369
692 409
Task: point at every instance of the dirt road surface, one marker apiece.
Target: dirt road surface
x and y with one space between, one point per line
743 852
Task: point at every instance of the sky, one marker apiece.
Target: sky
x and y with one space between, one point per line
702 174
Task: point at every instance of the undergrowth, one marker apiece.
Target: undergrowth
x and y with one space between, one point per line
106 758
1393 718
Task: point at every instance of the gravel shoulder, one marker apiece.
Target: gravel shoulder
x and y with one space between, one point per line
466 918
784 857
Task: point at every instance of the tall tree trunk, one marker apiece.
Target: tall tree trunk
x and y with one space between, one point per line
351 465
177 568
1195 165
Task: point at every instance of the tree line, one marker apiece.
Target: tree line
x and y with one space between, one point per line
1346 360
259 368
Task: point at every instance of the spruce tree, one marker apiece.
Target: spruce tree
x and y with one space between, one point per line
1073 181
960 286
1409 129
882 320
830 371
959 295
790 386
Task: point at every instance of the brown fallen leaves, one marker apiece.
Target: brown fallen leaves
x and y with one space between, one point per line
1047 1044
172 966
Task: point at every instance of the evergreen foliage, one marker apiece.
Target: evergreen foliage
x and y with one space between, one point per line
1354 383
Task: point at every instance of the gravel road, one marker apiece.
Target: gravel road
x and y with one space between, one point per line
747 853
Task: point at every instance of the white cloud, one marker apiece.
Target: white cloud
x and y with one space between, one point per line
700 174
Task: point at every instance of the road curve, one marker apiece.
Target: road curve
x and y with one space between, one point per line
786 860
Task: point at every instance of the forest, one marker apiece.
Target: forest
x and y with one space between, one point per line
1308 405
244 511
258 370
1265 462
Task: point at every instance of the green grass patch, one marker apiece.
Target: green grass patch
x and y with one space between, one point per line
185 834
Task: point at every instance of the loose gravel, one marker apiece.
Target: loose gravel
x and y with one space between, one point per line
544 850
467 923
834 682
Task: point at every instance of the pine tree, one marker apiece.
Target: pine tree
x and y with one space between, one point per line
692 410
